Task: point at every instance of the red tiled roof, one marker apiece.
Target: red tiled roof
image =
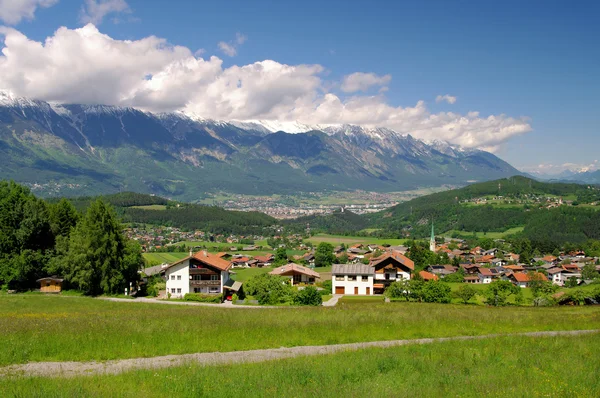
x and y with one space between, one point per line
523 277
428 276
207 258
396 255
293 268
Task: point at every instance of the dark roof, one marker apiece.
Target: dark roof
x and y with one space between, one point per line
50 278
352 269
232 285
157 269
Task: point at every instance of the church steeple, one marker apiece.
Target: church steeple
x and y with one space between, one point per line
432 240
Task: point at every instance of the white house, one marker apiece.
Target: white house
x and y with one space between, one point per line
390 267
198 273
352 279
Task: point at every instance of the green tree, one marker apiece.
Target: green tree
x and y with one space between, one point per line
589 272
436 292
308 296
571 282
324 256
466 292
99 260
398 289
63 217
269 289
497 292
280 256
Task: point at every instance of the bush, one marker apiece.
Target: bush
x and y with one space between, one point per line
327 286
203 298
465 293
234 298
497 293
308 296
436 292
270 289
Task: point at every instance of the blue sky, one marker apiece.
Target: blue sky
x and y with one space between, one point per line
533 59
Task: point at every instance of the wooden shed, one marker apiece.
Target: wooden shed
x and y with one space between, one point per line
50 284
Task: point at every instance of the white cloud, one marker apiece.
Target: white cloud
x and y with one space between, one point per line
94 11
448 98
13 11
554 169
86 66
230 48
360 81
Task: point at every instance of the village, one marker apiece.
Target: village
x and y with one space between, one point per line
365 269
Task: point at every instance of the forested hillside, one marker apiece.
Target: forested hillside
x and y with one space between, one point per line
149 209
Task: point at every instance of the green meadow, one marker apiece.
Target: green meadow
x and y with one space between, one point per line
161 258
498 367
350 240
36 327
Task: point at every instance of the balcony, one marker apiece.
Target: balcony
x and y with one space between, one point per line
205 283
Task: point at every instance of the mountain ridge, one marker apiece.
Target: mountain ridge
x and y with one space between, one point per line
103 149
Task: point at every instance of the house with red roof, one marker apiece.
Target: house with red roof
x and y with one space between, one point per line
521 279
390 267
297 273
201 272
428 276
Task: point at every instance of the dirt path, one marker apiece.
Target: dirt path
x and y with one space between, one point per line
72 369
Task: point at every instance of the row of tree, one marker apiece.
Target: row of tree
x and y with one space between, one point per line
39 239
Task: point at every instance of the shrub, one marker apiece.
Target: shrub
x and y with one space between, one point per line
327 286
398 289
203 298
497 292
436 292
308 296
465 293
234 298
270 289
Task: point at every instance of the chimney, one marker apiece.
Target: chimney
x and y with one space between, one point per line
191 252
205 253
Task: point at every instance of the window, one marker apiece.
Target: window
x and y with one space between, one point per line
339 278
178 277
365 278
214 290
172 290
214 277
352 278
179 290
172 277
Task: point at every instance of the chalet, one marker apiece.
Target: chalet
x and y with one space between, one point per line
51 284
472 279
198 273
297 273
240 261
486 275
309 258
441 270
428 276
521 279
353 279
390 267
264 261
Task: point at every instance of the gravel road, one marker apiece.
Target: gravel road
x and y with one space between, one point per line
72 369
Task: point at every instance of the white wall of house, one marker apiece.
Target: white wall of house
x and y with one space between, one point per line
557 279
350 282
178 279
485 278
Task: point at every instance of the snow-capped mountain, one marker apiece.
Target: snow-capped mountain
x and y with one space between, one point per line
96 148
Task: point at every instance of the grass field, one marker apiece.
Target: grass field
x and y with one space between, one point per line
160 258
243 274
151 207
350 240
54 328
467 369
491 235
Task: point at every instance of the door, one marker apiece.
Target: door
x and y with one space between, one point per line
339 290
368 291
355 289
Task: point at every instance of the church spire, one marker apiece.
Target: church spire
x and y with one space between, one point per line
432 240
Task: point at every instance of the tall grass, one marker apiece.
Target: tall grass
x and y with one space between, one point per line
42 328
501 367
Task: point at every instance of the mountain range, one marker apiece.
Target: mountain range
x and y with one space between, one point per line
74 149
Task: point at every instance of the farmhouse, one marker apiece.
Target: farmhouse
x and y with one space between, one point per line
51 284
390 267
352 279
198 273
297 273
521 279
